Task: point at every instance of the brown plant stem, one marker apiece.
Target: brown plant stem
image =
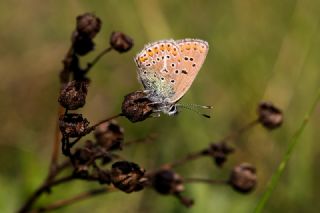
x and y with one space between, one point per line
96 59
64 78
56 147
65 202
237 133
147 139
187 158
90 129
204 152
43 188
202 180
106 120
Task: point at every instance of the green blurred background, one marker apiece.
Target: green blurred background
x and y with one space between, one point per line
259 50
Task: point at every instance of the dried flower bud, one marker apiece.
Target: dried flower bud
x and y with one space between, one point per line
243 178
73 95
136 106
127 176
269 116
219 152
88 25
167 182
73 125
121 42
109 135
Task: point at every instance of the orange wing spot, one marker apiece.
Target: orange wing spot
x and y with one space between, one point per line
194 46
150 53
168 47
142 59
188 46
155 50
162 47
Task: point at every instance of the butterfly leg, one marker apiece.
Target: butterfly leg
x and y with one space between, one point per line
155 114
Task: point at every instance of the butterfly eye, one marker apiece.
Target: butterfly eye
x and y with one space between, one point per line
173 110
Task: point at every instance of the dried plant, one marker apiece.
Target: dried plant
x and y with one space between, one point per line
96 160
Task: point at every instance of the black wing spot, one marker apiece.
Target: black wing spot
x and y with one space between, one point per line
173 65
184 72
177 71
193 65
191 59
186 58
172 81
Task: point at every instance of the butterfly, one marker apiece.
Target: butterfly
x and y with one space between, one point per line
167 69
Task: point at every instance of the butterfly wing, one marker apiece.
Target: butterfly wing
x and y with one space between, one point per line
192 55
156 64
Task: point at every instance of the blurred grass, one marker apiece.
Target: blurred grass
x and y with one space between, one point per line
259 50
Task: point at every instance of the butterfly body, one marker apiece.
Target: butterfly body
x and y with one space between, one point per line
167 69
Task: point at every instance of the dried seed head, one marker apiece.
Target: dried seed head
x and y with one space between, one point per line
269 116
73 125
109 135
88 25
243 178
136 106
121 42
167 182
73 95
220 152
127 176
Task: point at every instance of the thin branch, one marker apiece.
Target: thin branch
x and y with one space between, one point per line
90 129
189 157
43 188
202 180
65 202
204 152
237 133
147 139
96 59
106 120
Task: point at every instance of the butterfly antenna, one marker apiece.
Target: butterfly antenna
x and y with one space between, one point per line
193 107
